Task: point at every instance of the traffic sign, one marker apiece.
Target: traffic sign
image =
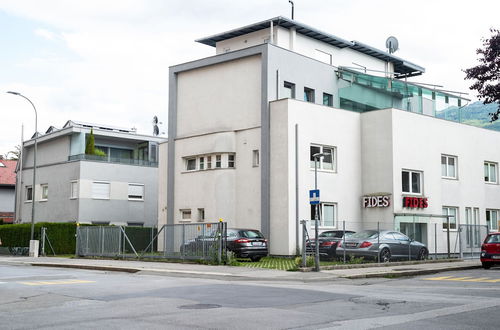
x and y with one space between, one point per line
314 197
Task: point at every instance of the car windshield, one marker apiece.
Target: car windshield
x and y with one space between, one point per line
365 234
251 234
493 239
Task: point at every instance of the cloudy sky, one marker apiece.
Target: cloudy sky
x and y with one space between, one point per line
106 61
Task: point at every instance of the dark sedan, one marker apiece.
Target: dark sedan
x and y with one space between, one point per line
386 245
328 241
247 243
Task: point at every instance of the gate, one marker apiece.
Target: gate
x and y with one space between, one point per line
471 238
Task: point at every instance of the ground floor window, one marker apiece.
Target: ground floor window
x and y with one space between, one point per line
327 214
451 212
492 220
186 215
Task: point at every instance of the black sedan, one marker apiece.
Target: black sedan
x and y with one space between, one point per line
328 241
247 243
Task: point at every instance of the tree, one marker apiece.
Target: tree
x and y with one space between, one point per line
14 154
487 73
90 147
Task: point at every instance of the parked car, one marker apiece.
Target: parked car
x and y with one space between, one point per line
247 243
490 250
386 244
328 241
244 243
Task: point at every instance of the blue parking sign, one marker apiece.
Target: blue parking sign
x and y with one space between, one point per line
314 197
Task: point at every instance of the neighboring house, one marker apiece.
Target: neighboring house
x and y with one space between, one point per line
120 188
7 189
244 126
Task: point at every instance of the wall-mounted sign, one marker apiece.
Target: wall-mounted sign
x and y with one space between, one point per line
415 202
376 201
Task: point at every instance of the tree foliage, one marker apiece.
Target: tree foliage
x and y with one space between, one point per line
13 154
486 75
90 147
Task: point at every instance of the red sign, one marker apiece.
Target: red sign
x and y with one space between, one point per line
376 201
415 202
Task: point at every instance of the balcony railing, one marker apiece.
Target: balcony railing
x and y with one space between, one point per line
107 159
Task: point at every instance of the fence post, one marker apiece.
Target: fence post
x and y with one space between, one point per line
120 244
87 239
43 241
219 254
343 239
183 253
378 241
303 222
435 242
102 241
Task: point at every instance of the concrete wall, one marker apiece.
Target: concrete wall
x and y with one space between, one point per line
48 152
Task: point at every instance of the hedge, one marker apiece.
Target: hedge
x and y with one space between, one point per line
61 236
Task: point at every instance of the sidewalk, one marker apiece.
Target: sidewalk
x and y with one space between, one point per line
243 273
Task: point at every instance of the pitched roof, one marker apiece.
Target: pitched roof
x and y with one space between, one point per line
7 172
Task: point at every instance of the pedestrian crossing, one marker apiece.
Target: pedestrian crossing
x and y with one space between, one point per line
56 282
464 279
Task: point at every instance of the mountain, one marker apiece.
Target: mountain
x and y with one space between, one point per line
476 114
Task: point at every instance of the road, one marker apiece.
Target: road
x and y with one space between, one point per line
53 298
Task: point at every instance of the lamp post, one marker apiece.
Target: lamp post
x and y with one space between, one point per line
34 166
316 219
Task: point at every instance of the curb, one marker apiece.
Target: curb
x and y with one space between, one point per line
395 273
88 267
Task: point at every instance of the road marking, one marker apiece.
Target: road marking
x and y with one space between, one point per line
463 279
56 282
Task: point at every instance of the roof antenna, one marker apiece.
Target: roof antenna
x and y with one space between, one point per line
292 7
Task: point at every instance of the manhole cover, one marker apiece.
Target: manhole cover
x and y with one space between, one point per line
200 306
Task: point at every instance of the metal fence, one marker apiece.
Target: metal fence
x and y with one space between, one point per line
441 242
198 241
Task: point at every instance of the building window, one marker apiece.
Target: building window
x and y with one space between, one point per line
209 162
201 215
29 194
326 162
327 214
255 158
230 161
191 164
202 163
451 212
411 182
490 172
100 190
328 99
73 189
449 167
492 220
186 215
218 161
308 95
289 90
136 191
45 192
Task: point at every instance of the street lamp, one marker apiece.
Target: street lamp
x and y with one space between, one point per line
34 166
316 156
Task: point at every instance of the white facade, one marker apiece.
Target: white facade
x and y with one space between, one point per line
246 107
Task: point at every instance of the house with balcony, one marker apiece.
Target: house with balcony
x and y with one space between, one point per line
120 187
245 123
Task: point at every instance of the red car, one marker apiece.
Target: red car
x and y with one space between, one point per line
490 250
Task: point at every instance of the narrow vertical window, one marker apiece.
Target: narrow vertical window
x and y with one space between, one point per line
29 194
490 172
202 163
209 162
327 99
218 161
449 167
289 90
230 161
45 191
255 158
308 95
73 189
201 215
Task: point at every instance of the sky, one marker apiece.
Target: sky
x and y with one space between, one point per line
106 61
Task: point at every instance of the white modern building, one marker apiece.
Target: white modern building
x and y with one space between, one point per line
244 124
118 188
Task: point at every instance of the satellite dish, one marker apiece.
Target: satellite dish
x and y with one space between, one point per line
392 44
155 120
156 130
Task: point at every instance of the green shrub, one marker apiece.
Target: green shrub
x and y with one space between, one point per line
99 152
61 236
309 261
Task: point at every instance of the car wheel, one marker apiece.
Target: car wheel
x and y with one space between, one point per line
255 259
422 254
385 255
486 265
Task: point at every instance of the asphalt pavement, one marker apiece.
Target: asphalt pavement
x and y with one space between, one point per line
389 270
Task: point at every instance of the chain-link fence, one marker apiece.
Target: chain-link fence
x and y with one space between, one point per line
179 241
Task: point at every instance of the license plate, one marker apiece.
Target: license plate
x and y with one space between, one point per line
350 244
257 243
495 257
